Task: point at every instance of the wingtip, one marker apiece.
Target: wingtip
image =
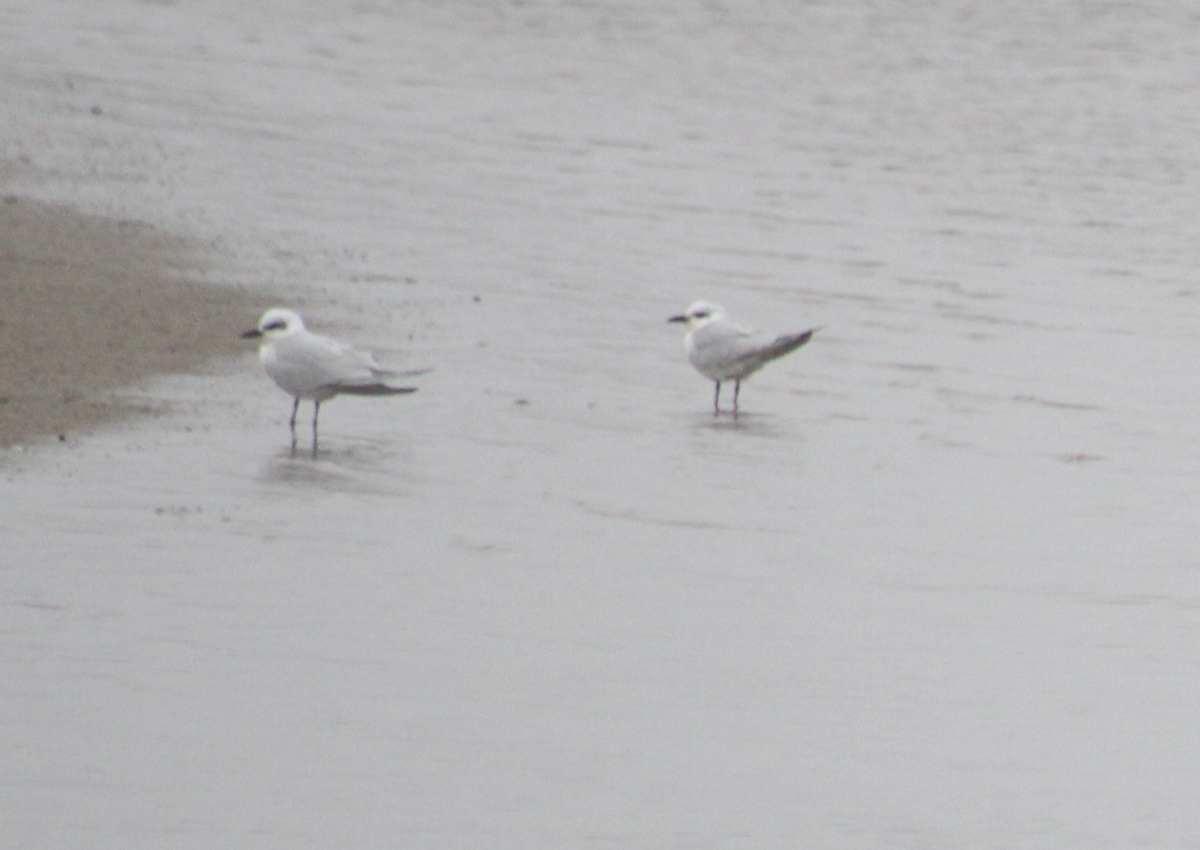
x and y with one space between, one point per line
376 389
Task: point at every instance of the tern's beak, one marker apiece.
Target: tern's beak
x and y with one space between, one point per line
252 333
679 318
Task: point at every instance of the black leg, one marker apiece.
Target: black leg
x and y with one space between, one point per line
316 411
717 400
737 388
292 423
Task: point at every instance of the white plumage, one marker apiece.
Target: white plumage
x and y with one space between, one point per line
306 365
724 351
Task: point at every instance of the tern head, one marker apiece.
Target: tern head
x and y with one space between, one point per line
700 313
275 323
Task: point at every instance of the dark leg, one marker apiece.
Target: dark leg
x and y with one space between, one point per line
737 388
292 423
316 410
717 400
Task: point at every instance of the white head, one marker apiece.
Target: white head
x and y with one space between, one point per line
276 323
699 314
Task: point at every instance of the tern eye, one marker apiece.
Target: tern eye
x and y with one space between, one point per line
701 314
277 325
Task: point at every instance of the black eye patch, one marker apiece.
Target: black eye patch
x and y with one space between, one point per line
275 326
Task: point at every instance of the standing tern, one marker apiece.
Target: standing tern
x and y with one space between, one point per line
307 365
723 351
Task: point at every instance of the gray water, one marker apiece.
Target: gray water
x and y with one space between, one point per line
937 587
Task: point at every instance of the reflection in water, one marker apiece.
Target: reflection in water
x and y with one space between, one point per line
750 424
350 466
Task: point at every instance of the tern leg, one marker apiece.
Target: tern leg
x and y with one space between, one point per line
292 423
717 399
316 411
737 388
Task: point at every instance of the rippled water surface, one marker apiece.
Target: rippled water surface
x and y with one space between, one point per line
937 587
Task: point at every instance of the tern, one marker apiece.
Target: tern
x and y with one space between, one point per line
724 351
306 365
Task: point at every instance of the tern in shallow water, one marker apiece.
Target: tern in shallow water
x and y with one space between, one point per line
723 351
307 365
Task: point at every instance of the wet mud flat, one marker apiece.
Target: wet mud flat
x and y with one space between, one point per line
92 304
935 588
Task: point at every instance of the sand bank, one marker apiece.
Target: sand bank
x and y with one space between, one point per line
89 305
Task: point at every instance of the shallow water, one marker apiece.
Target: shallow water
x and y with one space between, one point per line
937 587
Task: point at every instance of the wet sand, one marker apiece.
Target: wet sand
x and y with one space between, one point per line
936 588
92 305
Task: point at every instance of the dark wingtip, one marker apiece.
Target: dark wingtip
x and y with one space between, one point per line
789 342
376 389
808 334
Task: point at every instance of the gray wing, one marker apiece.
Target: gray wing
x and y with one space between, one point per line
308 364
781 345
724 351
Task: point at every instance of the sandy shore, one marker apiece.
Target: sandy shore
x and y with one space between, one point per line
91 305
